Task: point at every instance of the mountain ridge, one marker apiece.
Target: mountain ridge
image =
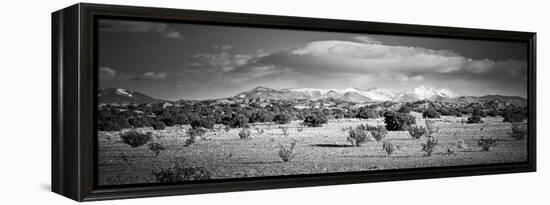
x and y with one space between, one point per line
374 94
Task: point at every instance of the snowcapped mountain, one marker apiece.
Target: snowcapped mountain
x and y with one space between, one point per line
425 93
350 94
121 96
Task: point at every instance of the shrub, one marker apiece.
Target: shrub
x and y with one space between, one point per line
139 122
169 120
431 113
487 144
405 110
239 120
260 131
357 137
286 154
519 131
226 128
492 113
389 147
449 112
366 113
285 131
180 173
398 121
108 125
282 118
315 120
479 112
300 129
158 125
193 133
416 131
474 119
515 117
156 148
244 133
135 138
207 122
379 133
429 146
431 128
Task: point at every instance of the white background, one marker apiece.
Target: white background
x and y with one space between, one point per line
25 116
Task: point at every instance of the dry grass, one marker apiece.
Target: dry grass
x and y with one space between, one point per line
322 150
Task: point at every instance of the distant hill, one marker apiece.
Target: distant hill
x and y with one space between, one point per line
123 96
374 95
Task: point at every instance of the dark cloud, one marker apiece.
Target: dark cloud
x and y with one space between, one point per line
220 61
139 27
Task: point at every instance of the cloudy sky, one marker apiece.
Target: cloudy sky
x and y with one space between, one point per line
184 61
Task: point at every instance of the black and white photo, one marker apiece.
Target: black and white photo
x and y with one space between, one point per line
181 102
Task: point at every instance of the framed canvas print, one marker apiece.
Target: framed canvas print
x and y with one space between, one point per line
154 102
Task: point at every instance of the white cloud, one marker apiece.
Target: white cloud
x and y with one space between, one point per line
150 76
106 73
366 39
354 57
173 35
223 61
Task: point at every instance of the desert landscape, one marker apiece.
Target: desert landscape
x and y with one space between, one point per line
180 102
206 150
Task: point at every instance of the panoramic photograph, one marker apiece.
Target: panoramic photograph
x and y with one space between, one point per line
181 102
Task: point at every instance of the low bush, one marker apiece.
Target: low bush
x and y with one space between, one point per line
479 112
431 113
357 137
285 131
238 121
139 122
519 131
207 122
158 125
193 133
282 118
367 113
405 110
244 133
417 132
299 129
156 148
287 154
429 146
135 138
389 148
379 133
431 128
487 144
179 173
474 120
108 125
516 117
398 121
315 120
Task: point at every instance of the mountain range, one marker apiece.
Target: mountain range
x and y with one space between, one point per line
351 94
124 96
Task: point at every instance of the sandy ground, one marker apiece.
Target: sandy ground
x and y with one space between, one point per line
319 150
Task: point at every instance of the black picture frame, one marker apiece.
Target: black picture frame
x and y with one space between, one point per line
74 100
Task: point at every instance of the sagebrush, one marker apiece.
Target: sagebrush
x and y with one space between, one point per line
180 172
417 132
135 138
429 146
287 154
